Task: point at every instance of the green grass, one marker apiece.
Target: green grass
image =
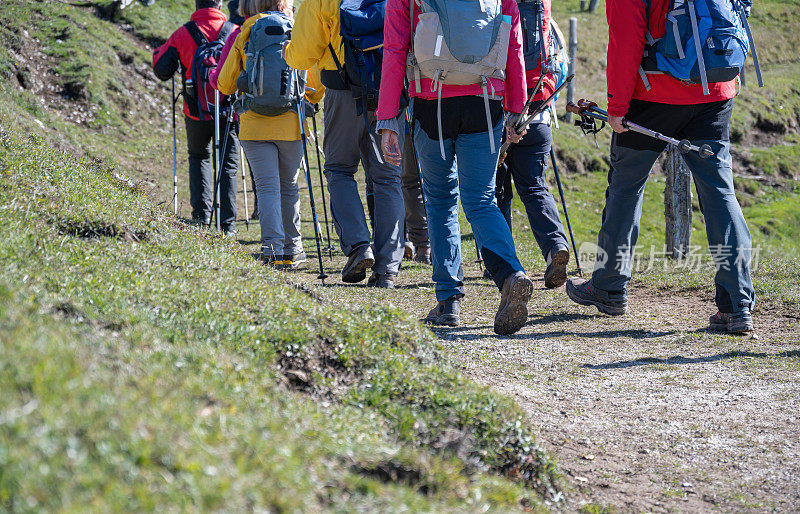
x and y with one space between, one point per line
147 365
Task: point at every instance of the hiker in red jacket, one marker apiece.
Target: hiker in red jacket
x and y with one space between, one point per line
458 113
210 23
684 111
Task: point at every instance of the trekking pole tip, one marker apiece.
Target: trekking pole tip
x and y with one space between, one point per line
706 151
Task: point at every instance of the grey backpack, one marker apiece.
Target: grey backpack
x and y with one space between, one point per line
459 42
269 85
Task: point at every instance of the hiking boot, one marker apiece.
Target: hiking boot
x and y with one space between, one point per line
732 323
445 313
513 311
408 251
229 231
273 261
556 273
382 281
581 292
423 255
361 259
294 261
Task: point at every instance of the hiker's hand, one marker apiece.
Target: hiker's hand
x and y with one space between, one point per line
390 144
615 122
514 136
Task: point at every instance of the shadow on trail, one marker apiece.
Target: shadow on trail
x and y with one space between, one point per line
678 359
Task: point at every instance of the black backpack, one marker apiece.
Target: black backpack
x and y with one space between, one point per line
197 91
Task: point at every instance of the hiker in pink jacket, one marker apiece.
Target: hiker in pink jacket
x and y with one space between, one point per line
466 72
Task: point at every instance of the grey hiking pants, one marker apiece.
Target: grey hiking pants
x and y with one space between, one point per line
632 157
346 141
275 166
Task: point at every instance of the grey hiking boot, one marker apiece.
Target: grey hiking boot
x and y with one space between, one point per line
423 255
382 281
581 292
361 259
294 261
513 311
732 323
445 313
556 273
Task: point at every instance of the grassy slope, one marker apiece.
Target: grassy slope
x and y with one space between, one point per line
147 365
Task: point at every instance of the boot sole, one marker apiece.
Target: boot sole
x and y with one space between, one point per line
448 320
556 273
578 298
515 314
727 329
358 272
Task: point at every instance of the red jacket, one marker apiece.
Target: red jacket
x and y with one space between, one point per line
549 82
626 40
397 44
178 51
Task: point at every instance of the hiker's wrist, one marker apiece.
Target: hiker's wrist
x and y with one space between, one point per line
392 124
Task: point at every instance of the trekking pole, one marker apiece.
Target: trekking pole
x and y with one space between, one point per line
590 113
222 149
564 205
174 150
524 120
218 158
244 163
329 248
301 114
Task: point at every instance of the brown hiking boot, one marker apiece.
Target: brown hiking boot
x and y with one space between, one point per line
381 281
732 323
556 273
513 311
582 292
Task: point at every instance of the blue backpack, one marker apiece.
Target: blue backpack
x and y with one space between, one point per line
706 41
534 47
362 37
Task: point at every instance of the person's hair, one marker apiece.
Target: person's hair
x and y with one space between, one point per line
205 4
249 8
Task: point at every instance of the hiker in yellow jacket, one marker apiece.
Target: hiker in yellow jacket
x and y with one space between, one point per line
349 140
273 148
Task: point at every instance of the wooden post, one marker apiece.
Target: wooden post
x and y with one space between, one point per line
573 54
593 5
678 204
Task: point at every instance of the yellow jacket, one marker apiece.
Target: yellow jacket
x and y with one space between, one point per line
252 126
316 25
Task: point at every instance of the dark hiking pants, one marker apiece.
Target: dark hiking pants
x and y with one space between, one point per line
632 157
200 140
526 163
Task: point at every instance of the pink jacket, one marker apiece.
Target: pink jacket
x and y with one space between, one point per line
397 44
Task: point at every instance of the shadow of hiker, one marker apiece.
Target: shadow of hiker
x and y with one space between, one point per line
678 359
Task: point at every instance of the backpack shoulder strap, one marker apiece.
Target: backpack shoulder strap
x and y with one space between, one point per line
225 32
197 34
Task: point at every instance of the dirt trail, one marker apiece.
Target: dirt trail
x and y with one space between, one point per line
647 412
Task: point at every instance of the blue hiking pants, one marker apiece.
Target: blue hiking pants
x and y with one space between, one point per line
469 168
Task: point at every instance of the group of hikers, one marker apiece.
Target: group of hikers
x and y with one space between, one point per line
444 100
